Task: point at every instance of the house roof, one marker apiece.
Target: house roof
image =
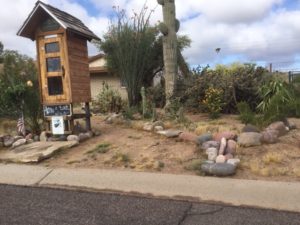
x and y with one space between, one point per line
64 19
96 57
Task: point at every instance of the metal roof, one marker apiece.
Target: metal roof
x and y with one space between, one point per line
65 20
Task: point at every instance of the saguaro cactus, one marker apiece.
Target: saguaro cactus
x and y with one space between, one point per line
169 28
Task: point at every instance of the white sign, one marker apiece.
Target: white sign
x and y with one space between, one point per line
57 124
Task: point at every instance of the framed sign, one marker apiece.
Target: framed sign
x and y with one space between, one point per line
57 125
57 110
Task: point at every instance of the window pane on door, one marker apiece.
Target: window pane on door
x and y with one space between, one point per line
53 64
55 86
52 47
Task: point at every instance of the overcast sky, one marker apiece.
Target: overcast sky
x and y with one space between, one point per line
260 31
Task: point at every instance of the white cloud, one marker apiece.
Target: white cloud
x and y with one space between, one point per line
258 30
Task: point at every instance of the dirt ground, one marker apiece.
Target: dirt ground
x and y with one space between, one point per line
128 147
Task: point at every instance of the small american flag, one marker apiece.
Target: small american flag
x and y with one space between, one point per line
21 125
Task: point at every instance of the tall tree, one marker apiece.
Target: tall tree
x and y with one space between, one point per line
169 28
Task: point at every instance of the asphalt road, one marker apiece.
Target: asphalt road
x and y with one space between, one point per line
46 206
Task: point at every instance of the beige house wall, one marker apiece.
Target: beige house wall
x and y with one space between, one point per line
97 80
98 63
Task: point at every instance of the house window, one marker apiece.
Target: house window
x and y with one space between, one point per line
53 64
52 47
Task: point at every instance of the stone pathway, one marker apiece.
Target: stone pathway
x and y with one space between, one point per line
34 152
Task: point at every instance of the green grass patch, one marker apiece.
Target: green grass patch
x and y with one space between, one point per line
101 149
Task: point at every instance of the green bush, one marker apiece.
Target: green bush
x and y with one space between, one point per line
213 101
246 114
279 100
239 82
108 100
18 90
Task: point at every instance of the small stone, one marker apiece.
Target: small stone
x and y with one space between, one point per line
36 138
190 137
137 116
228 156
62 138
218 169
159 123
90 134
29 136
158 128
2 138
53 139
19 143
250 128
249 139
220 159
231 147
222 146
170 133
73 138
8 141
83 137
226 134
212 154
210 144
43 136
269 137
279 126
1 144
204 138
148 127
234 162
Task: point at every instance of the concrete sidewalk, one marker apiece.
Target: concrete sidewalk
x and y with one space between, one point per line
265 194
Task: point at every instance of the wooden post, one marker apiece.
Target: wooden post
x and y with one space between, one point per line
87 117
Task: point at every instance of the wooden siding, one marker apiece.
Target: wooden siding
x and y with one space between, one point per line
78 68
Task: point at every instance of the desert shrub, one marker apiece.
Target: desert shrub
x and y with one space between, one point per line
239 82
213 101
108 100
157 95
277 100
246 114
18 90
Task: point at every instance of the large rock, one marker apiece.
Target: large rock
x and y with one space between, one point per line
210 144
43 136
204 138
249 139
35 152
73 137
212 154
19 143
269 136
218 169
229 135
170 133
16 138
190 137
231 147
8 141
250 128
280 127
2 138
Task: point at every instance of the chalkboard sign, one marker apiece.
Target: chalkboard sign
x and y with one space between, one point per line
57 110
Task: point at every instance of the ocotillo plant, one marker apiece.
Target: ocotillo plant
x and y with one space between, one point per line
169 27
